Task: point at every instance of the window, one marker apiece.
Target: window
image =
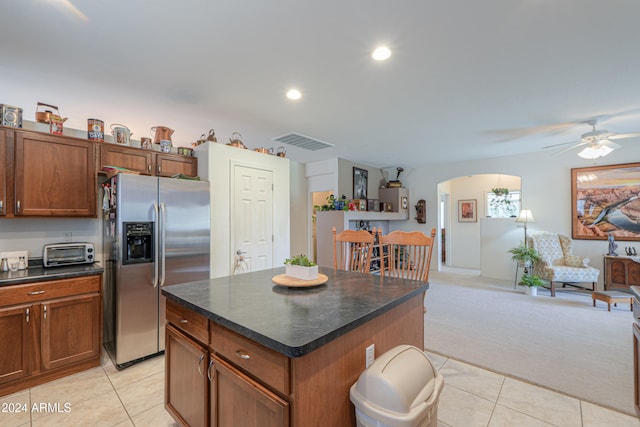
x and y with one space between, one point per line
504 205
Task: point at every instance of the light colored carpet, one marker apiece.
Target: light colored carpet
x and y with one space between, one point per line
562 343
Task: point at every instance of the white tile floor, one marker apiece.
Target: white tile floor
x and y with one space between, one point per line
471 397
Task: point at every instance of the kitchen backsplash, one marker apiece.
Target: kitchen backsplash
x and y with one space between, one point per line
31 234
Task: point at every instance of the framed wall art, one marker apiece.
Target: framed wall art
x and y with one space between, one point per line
604 199
468 210
360 177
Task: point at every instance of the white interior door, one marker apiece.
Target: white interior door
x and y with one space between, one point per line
252 216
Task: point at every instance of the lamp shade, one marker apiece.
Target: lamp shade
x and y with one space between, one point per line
525 216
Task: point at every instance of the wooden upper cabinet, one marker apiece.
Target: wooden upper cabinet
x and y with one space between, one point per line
4 173
126 157
147 162
173 164
54 176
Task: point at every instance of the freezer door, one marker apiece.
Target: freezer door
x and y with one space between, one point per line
137 293
184 235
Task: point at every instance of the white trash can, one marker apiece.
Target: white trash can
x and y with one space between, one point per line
401 388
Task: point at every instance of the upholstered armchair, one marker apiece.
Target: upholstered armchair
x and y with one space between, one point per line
558 263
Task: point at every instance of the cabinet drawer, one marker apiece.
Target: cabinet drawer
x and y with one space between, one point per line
189 321
269 367
30 292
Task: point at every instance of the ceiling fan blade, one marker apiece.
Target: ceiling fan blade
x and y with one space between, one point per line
610 144
577 143
624 135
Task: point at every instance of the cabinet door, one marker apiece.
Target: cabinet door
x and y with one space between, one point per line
130 158
237 400
70 330
636 367
170 165
15 332
4 172
186 391
54 176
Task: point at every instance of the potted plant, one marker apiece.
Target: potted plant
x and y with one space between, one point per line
531 282
301 267
500 191
334 204
524 255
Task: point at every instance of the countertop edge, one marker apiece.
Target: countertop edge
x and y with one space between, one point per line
296 351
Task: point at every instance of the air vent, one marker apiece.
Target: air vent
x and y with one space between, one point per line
302 141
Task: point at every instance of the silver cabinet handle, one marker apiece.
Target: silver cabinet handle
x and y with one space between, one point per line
159 170
45 311
35 293
27 313
1 205
211 377
18 206
183 321
149 167
243 354
199 364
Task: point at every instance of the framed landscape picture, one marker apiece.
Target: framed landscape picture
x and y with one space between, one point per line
605 199
467 210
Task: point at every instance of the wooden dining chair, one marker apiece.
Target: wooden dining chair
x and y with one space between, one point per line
406 254
352 250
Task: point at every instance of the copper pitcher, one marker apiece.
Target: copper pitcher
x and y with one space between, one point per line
161 133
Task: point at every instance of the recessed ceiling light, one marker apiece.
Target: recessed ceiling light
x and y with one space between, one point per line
381 53
294 94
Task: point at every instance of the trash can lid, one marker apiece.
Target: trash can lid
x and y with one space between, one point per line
398 380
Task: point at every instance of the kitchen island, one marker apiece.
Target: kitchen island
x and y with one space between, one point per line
241 350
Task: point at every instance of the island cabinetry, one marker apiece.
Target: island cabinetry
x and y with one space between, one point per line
52 176
54 327
238 400
620 272
187 386
147 162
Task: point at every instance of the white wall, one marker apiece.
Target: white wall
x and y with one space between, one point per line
215 164
546 189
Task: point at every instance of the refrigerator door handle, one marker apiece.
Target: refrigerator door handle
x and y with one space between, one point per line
163 232
156 247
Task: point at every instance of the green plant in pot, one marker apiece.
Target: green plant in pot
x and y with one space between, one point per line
524 255
301 267
531 283
531 280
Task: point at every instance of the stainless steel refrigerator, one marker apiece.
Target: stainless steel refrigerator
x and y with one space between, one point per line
156 234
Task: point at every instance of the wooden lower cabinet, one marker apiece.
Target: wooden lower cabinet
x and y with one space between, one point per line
186 384
55 329
260 406
620 272
636 367
15 328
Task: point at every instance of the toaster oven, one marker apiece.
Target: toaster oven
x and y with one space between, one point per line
59 254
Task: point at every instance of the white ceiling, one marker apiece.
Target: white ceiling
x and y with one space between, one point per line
460 70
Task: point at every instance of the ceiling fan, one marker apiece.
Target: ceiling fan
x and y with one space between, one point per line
596 143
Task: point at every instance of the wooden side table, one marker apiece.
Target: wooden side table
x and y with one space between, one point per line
620 272
612 297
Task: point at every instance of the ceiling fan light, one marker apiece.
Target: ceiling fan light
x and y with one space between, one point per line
594 151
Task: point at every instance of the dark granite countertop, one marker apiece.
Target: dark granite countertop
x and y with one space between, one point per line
294 321
37 273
